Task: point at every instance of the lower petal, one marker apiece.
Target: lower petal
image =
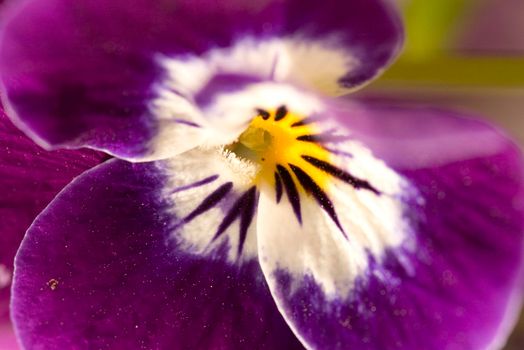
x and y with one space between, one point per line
100 269
454 282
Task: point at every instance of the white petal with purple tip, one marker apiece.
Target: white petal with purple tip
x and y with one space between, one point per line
342 227
295 60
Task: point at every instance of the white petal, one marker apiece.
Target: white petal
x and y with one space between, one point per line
179 124
230 112
334 257
293 60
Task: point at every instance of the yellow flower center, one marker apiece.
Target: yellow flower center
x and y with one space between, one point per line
281 138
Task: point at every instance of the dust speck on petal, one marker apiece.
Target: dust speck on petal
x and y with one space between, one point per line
52 284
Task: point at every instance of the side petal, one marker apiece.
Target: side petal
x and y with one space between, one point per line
99 268
215 204
455 279
29 179
116 77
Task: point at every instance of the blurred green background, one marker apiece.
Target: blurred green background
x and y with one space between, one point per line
466 55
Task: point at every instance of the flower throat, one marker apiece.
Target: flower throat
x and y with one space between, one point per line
280 140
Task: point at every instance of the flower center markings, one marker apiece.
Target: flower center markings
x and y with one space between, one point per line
292 154
293 159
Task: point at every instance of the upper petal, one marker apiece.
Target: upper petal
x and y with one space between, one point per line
448 277
115 76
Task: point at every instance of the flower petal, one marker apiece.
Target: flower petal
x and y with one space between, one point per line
29 178
99 269
229 104
454 283
116 77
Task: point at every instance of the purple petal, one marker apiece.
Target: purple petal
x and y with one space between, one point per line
29 178
372 31
95 82
98 270
458 285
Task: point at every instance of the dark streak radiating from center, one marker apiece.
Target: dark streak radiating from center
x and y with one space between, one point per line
320 196
340 174
280 113
210 201
291 191
244 207
278 187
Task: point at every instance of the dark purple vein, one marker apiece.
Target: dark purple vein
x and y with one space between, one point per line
291 191
320 196
247 216
323 137
339 152
278 187
209 202
186 122
264 114
196 184
244 207
340 174
280 113
305 121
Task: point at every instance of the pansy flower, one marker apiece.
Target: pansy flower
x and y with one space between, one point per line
250 208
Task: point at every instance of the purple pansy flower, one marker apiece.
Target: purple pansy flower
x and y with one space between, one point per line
250 208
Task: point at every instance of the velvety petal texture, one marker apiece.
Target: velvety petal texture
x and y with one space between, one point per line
282 218
110 65
101 269
457 284
135 277
29 179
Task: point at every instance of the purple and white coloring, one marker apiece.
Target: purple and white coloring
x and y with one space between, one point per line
248 205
